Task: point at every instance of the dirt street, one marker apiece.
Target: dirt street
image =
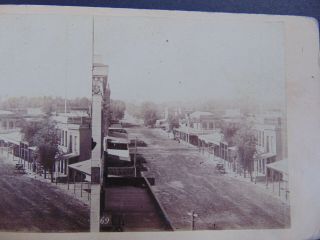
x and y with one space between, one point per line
186 182
27 204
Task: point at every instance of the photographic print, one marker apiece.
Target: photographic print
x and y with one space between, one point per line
45 123
197 136
126 123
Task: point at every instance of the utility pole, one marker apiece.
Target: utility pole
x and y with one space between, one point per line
135 157
188 130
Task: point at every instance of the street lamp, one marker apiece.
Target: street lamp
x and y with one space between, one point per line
135 157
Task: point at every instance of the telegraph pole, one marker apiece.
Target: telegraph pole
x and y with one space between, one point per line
135 157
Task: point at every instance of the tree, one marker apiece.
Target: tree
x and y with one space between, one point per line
229 131
44 136
246 145
29 130
173 121
149 113
117 109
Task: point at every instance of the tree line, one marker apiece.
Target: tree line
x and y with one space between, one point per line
46 103
241 136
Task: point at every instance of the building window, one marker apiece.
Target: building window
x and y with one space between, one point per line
62 138
204 125
65 139
75 144
267 143
262 139
70 143
259 165
211 125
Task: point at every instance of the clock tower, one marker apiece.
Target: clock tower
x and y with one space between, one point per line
100 103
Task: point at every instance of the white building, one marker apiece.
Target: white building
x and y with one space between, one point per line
271 141
9 121
202 120
74 130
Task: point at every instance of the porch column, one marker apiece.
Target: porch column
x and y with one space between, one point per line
74 182
68 180
267 178
272 180
279 184
81 189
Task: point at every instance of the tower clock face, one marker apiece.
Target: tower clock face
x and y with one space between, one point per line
96 87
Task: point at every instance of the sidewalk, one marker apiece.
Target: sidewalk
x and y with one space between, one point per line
80 191
271 189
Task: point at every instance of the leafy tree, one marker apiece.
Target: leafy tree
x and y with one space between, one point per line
149 113
229 131
246 145
46 103
29 130
173 121
44 136
134 110
117 109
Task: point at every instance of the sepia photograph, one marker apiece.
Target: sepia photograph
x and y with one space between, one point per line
143 123
45 124
197 137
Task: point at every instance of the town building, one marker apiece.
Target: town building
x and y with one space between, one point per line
193 125
9 121
74 131
233 117
202 120
270 133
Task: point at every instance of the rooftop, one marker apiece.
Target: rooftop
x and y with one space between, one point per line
4 112
133 199
13 137
198 114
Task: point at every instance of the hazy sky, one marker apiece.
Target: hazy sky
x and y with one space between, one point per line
178 59
157 59
45 55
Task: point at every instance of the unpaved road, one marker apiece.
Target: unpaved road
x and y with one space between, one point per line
185 182
29 205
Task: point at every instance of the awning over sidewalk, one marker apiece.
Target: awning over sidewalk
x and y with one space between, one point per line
12 137
84 167
265 155
32 148
214 138
279 166
233 148
192 131
70 155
